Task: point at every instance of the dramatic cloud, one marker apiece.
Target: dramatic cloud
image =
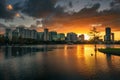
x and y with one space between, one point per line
39 8
81 21
2 28
4 13
67 15
77 5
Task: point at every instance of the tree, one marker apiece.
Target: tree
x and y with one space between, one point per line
95 35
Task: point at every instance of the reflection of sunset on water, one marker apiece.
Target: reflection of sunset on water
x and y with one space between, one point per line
62 60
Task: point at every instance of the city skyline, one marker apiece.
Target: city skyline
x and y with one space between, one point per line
24 33
62 16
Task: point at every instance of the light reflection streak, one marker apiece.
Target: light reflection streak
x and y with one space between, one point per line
65 51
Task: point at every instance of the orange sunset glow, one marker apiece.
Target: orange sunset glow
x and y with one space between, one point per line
17 15
84 25
9 7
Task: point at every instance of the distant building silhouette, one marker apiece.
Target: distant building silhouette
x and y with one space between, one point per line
113 37
26 33
53 36
61 37
20 32
46 34
8 34
72 37
109 36
82 38
40 36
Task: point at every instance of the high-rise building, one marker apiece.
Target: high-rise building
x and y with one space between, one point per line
33 34
8 33
52 35
28 34
46 34
15 34
40 36
61 37
72 37
108 34
113 37
21 31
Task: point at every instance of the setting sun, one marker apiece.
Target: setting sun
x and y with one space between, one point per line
87 37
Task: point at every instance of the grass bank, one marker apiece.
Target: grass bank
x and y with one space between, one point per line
115 51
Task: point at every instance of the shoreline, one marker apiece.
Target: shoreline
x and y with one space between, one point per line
114 51
56 44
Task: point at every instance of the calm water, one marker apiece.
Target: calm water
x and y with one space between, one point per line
58 62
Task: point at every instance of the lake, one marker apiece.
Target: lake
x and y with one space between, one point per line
58 62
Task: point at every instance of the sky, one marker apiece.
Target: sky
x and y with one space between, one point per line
63 16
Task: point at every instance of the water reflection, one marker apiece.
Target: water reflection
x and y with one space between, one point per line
58 62
18 51
21 51
109 45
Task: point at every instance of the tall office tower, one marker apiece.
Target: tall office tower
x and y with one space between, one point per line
113 37
33 34
25 33
52 35
8 34
20 29
40 36
108 34
15 34
72 37
46 35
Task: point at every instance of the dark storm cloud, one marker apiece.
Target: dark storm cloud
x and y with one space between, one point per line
115 6
4 13
93 12
87 12
87 16
117 0
17 7
2 26
34 8
56 14
84 13
43 8
70 4
39 8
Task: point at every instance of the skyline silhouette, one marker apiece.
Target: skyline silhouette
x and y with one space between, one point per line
62 16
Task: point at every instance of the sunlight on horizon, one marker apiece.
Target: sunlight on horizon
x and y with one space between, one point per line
87 37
